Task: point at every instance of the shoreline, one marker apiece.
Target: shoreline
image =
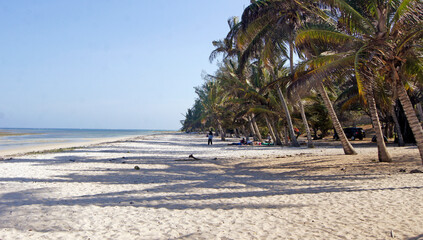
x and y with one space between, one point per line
51 147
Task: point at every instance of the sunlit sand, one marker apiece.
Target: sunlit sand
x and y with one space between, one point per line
232 192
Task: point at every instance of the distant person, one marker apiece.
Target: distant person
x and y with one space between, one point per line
297 132
210 138
241 142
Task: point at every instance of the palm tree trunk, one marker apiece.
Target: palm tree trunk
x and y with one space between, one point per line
256 128
291 56
269 126
222 133
294 141
346 145
310 143
397 127
243 131
250 123
285 134
282 137
277 135
420 111
411 117
383 153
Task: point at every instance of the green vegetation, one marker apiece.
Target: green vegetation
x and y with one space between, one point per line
356 57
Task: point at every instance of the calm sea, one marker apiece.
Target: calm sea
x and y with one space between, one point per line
40 136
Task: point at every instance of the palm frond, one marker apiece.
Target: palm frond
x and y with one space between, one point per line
353 20
261 110
304 83
309 37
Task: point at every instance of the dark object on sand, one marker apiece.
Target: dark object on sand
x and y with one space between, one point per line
416 171
192 156
137 168
353 133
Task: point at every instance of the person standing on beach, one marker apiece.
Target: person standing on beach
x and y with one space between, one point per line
210 137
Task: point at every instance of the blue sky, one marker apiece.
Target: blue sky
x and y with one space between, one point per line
115 64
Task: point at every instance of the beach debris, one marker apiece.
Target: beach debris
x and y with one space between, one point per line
137 168
192 156
131 202
123 162
403 170
343 169
416 171
71 160
392 234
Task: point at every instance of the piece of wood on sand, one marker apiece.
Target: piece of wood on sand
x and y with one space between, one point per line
192 158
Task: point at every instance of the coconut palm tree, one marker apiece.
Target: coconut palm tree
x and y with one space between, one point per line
213 99
376 39
227 48
271 18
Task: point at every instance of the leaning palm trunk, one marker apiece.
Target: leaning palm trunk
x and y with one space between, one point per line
256 128
294 141
285 135
310 143
222 133
237 133
416 128
269 126
397 127
243 131
277 134
250 123
383 153
420 111
346 145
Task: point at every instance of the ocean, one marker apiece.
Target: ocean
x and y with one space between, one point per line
43 136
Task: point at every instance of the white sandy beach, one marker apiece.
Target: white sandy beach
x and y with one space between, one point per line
233 192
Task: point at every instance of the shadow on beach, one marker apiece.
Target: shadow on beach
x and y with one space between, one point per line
163 182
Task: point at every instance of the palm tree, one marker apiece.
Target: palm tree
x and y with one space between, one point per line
193 118
389 32
213 99
227 48
350 56
273 22
269 18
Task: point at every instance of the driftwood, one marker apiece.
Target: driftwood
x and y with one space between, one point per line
192 158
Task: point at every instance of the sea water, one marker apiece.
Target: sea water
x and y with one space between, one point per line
43 136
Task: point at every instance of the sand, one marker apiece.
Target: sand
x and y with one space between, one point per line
233 192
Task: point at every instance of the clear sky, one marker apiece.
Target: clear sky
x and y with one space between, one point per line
115 64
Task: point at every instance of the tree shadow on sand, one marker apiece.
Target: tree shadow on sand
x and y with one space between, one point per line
162 182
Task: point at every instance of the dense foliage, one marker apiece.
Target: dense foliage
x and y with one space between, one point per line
368 54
